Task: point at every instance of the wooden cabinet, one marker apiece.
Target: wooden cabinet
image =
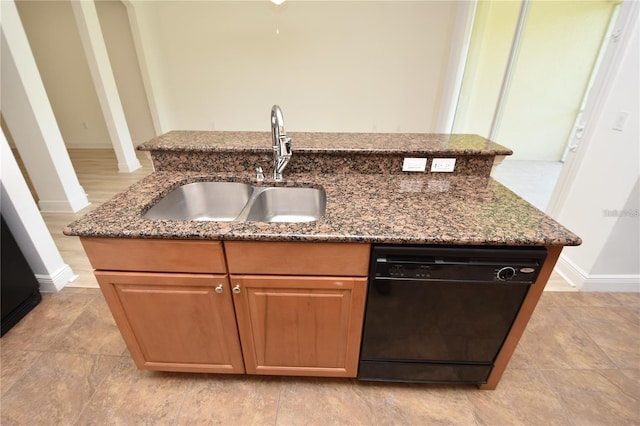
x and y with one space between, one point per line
295 308
162 294
305 326
175 322
303 314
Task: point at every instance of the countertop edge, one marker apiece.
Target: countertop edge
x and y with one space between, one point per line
320 238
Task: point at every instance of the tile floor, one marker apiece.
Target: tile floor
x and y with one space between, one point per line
578 363
532 180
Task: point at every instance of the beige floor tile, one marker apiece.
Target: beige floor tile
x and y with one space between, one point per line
15 364
581 299
628 299
522 398
597 397
55 389
322 401
231 400
521 358
93 332
49 320
131 396
616 330
417 404
555 340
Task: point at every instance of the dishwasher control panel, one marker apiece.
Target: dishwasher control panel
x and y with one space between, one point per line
463 264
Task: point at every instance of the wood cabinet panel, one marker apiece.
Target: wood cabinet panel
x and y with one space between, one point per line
297 258
175 322
306 326
122 254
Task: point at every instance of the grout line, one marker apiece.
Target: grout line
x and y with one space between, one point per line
95 391
24 373
278 404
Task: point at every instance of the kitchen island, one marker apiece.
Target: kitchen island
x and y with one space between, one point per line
370 200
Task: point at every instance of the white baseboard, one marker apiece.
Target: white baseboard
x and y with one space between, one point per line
573 274
612 283
88 145
65 206
56 281
129 166
577 277
95 144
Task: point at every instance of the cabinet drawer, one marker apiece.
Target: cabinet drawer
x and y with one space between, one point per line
297 258
120 254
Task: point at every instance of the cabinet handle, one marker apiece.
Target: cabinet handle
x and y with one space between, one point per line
219 289
236 289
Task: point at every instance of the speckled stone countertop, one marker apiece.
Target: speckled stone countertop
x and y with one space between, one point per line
336 143
420 209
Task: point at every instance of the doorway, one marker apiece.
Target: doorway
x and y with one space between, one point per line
528 74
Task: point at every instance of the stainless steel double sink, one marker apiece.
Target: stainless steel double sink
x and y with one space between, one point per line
240 202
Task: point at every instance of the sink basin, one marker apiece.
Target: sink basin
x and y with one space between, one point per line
234 201
287 204
218 201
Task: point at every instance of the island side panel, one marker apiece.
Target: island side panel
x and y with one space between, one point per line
521 321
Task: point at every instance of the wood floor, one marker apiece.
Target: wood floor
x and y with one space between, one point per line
97 171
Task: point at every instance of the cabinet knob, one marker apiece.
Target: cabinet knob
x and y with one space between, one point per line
219 289
236 289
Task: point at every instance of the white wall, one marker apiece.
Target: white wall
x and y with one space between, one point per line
607 180
621 253
124 64
55 42
28 227
31 122
334 66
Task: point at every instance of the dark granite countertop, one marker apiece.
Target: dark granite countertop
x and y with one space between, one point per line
420 209
335 143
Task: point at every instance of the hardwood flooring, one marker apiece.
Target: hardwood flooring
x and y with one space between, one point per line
97 171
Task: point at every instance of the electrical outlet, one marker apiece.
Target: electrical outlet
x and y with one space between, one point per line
621 121
414 165
443 164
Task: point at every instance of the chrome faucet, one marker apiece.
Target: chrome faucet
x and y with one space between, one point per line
281 143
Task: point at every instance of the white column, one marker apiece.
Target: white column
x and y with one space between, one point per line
105 83
29 117
31 233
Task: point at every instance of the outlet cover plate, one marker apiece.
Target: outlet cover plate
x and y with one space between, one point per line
443 164
414 164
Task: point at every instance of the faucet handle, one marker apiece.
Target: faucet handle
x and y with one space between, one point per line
285 146
259 174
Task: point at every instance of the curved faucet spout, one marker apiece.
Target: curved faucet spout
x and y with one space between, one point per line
277 124
281 143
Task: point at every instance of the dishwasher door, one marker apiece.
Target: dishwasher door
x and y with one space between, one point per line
425 328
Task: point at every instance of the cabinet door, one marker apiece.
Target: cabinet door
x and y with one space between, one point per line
175 322
302 326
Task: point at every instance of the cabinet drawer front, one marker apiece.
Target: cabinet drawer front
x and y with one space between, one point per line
297 258
122 254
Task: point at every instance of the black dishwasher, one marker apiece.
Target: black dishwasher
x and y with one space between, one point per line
440 314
